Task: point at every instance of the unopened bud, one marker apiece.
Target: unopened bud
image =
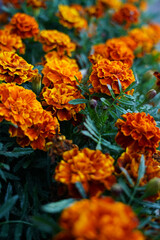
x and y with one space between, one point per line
116 189
151 94
93 103
152 187
148 75
36 83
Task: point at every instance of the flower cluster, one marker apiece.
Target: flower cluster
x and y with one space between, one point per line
138 131
90 167
23 25
107 72
110 220
30 123
53 39
14 68
70 17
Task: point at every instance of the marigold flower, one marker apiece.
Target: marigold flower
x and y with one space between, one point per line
109 4
14 68
58 98
60 71
90 167
11 42
130 161
129 42
141 3
36 3
15 3
52 39
153 32
70 17
23 25
109 72
95 10
127 14
138 131
99 218
31 123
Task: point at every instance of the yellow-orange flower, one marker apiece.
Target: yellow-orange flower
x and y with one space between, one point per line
58 98
99 219
14 68
153 32
95 11
142 4
53 39
129 41
70 17
23 25
36 3
138 131
109 4
31 123
109 72
90 167
60 71
15 3
11 42
127 14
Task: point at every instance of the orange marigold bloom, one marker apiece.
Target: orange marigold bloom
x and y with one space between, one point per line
52 39
15 3
36 3
70 17
32 124
109 4
11 42
58 98
90 167
14 68
95 10
23 25
153 32
109 72
60 71
138 131
99 219
127 14
129 42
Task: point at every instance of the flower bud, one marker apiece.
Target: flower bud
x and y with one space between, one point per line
151 93
93 103
36 83
148 75
152 187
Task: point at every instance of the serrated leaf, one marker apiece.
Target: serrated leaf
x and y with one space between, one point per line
127 176
56 207
111 91
141 170
78 101
105 101
7 206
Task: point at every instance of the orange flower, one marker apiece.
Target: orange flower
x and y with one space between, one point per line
114 50
129 41
23 25
31 124
153 32
127 14
109 4
36 3
141 3
90 167
52 39
60 71
58 98
109 72
139 132
95 11
14 68
15 3
99 219
11 42
70 17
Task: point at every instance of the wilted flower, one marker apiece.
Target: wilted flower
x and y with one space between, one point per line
90 167
139 132
14 68
58 99
127 14
23 25
11 42
70 17
97 219
109 72
53 39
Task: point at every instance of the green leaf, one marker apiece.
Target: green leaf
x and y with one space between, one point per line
18 231
45 223
133 85
56 207
17 152
81 190
120 86
78 101
127 176
7 206
141 170
111 91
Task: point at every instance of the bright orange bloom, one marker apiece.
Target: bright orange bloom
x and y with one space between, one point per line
11 42
114 50
139 132
60 71
70 17
58 98
15 3
31 123
109 4
36 3
129 41
109 72
90 167
127 14
99 219
95 11
23 25
52 39
14 68
141 3
153 32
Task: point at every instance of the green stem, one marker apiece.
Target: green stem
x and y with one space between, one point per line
16 221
